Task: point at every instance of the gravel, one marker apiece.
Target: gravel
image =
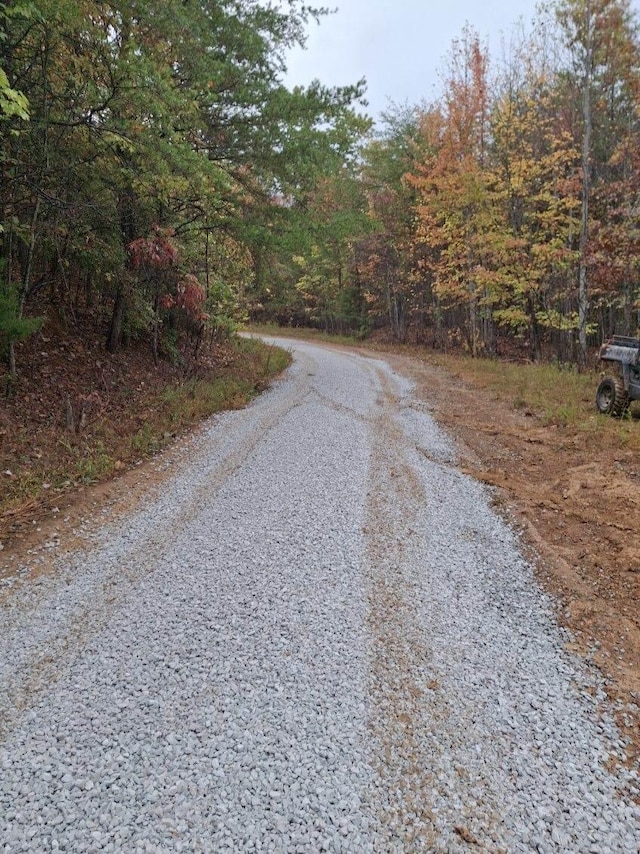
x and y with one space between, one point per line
317 636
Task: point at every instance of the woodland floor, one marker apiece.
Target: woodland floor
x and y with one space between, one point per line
80 420
576 500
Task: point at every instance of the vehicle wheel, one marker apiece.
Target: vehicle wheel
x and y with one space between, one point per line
611 397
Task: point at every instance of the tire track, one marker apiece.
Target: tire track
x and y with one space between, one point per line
410 715
36 658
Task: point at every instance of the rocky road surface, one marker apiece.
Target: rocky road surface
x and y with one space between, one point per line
317 636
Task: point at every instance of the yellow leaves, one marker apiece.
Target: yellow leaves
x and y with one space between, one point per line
513 317
482 226
118 142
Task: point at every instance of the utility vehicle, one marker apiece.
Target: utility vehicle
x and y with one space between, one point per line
616 391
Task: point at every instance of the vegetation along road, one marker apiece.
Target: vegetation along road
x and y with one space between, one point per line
315 633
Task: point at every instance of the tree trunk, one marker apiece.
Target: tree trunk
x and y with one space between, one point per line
156 330
583 299
114 336
473 321
535 350
26 283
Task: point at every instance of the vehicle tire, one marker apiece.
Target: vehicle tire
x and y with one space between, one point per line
611 397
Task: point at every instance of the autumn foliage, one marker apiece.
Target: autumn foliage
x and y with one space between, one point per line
158 252
189 296
503 216
150 156
147 183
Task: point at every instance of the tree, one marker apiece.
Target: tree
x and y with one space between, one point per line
536 167
13 102
456 186
602 47
157 114
386 258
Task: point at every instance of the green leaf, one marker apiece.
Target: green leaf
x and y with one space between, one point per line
12 102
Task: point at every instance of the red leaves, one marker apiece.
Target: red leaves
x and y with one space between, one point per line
190 297
157 252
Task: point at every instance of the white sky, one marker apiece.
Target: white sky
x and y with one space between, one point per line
399 45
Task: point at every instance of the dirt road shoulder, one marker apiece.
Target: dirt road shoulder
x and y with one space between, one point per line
577 507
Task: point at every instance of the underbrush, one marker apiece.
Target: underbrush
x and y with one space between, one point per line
303 333
198 398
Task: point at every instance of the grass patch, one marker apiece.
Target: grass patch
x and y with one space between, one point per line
555 395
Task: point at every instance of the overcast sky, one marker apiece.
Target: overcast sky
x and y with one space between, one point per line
399 45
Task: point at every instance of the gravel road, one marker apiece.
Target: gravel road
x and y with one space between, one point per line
317 636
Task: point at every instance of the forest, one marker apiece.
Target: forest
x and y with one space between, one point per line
161 182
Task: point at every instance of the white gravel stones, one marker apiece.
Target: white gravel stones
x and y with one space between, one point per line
318 637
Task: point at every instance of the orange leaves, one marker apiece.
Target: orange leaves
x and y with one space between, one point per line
454 205
466 99
157 252
191 297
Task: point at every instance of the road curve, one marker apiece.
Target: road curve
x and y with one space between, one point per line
318 636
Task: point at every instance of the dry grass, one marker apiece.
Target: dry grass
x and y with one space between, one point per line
554 395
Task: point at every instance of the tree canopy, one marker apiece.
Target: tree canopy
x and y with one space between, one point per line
504 213
126 120
157 173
